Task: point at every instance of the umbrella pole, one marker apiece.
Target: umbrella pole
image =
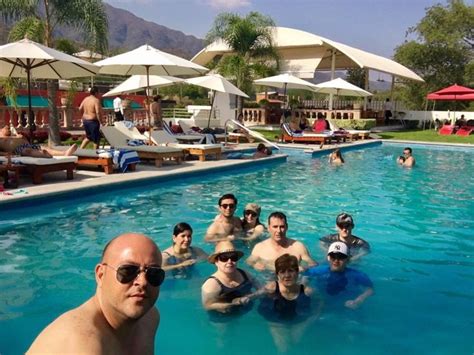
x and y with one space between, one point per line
148 113
212 105
31 121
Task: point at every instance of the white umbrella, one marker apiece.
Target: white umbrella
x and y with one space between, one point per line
26 59
139 82
146 60
218 83
285 81
341 87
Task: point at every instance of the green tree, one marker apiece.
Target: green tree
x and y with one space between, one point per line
442 53
37 19
356 76
253 54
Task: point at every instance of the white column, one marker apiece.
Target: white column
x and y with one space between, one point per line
333 74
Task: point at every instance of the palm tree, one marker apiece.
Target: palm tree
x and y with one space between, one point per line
253 54
38 20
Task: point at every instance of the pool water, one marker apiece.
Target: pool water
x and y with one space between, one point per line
418 221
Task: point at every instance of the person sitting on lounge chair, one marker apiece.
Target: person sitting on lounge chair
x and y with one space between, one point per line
19 145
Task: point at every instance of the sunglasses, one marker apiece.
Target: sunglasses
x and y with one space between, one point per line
225 257
252 213
338 256
345 226
228 205
127 273
291 271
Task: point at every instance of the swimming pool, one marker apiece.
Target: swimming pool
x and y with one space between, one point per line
418 221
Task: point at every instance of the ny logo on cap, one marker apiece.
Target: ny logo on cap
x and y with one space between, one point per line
337 247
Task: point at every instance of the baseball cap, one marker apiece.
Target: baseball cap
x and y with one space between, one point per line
338 247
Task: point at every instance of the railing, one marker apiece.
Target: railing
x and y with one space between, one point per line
179 113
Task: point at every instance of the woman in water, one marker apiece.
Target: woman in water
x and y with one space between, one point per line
288 304
336 158
181 254
229 288
251 225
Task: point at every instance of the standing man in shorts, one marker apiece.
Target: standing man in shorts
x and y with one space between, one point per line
90 107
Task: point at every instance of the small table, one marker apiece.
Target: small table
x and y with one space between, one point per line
15 169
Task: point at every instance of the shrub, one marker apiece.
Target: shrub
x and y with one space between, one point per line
363 123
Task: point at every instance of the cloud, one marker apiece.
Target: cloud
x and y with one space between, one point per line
228 4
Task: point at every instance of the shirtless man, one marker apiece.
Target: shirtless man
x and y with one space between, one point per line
407 160
265 253
16 144
225 225
120 318
90 107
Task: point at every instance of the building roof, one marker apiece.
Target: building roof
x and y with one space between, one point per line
302 53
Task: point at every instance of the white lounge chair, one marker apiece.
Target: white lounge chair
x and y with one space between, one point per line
162 137
304 137
352 133
187 130
118 139
37 167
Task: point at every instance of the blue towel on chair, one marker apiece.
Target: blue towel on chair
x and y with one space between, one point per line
122 158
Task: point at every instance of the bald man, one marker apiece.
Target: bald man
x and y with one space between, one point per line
120 318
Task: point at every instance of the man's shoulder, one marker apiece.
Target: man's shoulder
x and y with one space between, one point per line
72 330
330 238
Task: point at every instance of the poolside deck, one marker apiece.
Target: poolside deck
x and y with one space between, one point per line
56 184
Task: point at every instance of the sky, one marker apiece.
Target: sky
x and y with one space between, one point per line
376 26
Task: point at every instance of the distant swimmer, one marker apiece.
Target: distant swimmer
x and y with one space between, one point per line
335 158
121 318
181 254
338 282
265 253
407 159
345 224
225 226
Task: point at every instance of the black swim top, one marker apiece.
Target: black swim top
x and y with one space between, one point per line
227 294
289 309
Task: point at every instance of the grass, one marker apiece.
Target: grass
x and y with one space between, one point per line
419 135
428 135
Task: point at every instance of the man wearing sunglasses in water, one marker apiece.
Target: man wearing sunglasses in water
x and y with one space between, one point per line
120 318
339 283
358 247
225 226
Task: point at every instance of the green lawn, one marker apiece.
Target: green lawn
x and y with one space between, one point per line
428 135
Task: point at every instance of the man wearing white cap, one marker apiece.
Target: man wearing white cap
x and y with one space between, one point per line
338 281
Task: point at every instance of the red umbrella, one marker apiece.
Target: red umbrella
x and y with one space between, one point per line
464 97
454 90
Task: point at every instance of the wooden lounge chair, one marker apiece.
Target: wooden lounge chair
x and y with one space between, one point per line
37 167
290 137
353 134
117 139
163 138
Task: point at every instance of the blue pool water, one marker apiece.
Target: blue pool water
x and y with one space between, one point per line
419 223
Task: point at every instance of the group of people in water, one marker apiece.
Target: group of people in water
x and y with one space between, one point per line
289 286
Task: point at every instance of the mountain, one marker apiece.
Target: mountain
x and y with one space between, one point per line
127 31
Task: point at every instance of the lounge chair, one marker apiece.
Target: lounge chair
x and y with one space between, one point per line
446 130
201 150
464 131
291 137
187 130
185 138
162 137
118 139
37 167
351 133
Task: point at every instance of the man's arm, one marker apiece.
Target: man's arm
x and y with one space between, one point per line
97 109
409 162
254 259
304 253
355 303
